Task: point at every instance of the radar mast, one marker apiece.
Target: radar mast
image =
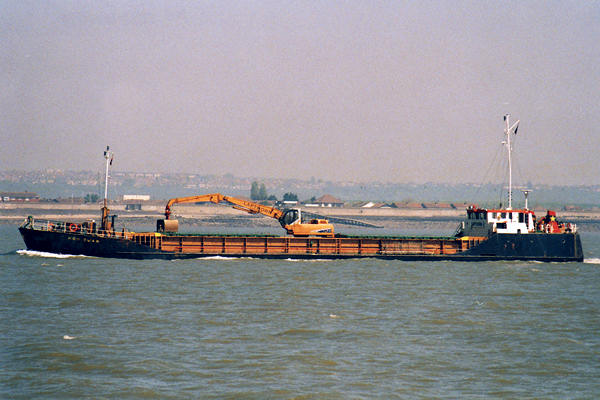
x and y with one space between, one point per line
105 224
508 131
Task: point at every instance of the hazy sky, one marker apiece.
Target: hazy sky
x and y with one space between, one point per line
393 91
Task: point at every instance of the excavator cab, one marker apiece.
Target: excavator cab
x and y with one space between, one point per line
290 217
291 221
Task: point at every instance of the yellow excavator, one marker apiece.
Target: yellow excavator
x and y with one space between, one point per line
290 219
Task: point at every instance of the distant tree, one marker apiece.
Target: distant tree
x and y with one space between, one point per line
254 191
289 196
313 199
272 197
258 191
91 198
262 192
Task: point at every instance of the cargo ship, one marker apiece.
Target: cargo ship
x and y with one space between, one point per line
484 235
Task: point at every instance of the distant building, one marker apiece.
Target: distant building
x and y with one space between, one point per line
328 200
133 202
136 197
572 208
370 204
19 197
282 204
311 205
408 204
438 205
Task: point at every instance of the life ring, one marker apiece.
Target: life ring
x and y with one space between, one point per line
73 227
50 226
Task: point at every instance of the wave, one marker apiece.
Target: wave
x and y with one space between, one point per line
223 258
301 332
592 260
33 253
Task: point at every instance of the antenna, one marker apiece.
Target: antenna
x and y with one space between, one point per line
526 193
509 129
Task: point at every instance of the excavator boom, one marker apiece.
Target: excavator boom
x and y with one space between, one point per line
253 208
213 197
238 204
290 220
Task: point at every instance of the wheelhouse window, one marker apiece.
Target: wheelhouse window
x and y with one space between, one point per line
477 215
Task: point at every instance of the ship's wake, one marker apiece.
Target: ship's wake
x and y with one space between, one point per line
33 253
592 260
224 258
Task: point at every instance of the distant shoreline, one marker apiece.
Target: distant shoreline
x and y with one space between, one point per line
218 215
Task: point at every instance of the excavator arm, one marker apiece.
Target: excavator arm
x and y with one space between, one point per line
254 208
213 197
290 220
239 204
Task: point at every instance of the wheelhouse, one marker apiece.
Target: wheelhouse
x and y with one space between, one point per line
511 221
482 222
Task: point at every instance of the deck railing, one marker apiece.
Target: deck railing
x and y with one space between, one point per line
87 228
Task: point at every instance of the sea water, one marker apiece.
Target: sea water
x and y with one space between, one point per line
220 328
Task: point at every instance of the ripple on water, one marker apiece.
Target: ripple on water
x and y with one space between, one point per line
277 329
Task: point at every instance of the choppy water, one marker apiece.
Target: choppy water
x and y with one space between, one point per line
82 327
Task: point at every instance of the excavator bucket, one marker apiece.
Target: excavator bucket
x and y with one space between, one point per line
167 225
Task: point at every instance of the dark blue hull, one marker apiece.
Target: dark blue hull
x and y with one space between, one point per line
532 246
564 247
86 245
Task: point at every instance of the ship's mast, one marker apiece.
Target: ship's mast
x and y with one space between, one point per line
509 129
105 225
